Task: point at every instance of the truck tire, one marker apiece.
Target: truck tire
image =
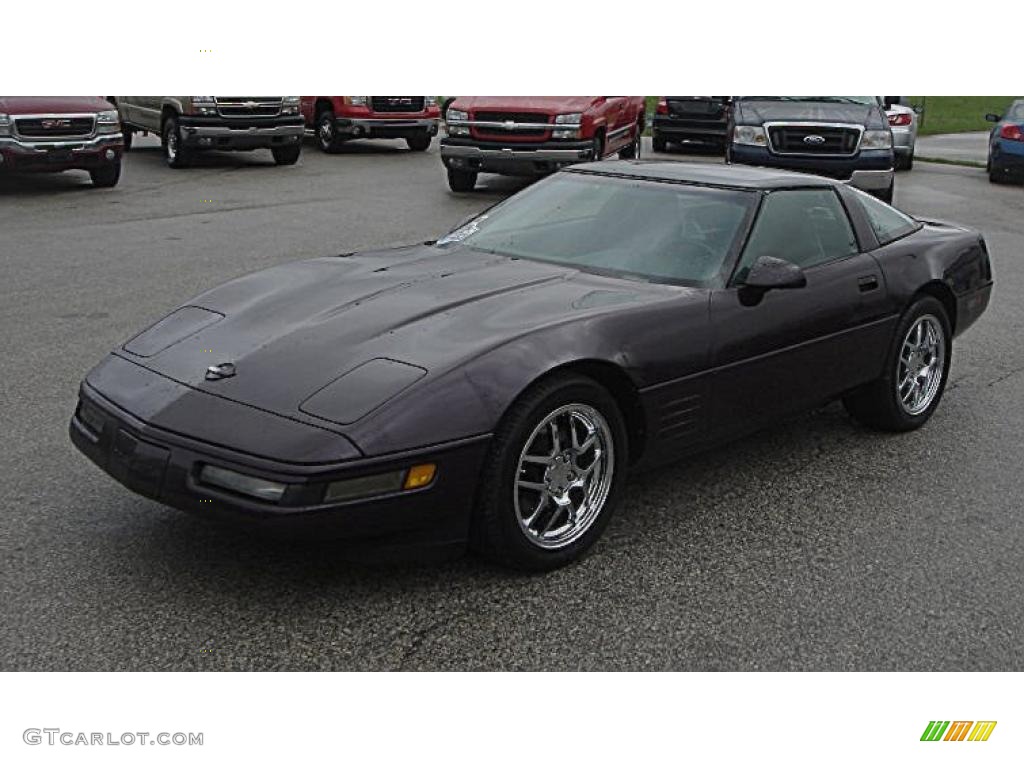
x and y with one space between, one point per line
419 142
660 145
175 154
127 134
106 175
632 152
598 150
326 135
461 181
286 155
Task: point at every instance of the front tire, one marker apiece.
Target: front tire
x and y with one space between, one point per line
126 136
176 154
106 175
327 137
553 476
286 155
887 195
419 142
461 181
916 371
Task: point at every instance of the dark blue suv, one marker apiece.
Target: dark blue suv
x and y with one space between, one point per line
842 137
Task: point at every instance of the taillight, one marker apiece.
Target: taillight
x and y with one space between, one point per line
662 107
1011 132
900 118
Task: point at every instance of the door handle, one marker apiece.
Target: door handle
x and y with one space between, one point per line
867 283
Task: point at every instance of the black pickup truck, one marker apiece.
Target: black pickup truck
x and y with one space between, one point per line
842 137
691 120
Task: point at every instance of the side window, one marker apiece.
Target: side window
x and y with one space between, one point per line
888 223
804 226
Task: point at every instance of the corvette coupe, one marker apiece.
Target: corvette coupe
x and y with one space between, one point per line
493 387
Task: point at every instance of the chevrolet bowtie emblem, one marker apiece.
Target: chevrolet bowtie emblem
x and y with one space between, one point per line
222 371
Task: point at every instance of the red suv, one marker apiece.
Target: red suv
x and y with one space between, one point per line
61 133
535 135
336 119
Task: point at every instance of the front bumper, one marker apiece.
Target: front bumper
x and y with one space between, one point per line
217 133
680 129
18 154
519 159
165 466
870 169
385 128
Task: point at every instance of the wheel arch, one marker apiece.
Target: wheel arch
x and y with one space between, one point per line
942 292
618 384
322 104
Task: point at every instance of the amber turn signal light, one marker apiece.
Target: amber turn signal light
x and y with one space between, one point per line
419 476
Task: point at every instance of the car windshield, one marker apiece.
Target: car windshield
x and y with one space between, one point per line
662 232
866 100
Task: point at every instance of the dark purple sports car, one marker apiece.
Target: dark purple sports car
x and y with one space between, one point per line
494 387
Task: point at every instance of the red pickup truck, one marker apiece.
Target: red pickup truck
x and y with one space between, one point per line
535 135
336 119
61 133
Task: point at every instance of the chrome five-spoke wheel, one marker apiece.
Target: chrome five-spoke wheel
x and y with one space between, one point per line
921 365
564 476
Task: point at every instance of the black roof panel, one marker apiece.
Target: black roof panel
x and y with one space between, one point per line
712 174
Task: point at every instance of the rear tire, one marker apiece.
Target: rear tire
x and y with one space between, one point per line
660 145
176 155
419 142
632 152
461 181
882 404
531 528
107 175
286 155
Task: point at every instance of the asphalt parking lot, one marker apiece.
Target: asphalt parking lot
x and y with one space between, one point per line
817 545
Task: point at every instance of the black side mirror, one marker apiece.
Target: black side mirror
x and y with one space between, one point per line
769 273
992 117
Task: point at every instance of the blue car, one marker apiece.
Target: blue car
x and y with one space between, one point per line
1006 144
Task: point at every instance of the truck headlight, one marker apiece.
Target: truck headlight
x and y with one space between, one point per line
876 140
107 122
290 105
571 119
457 116
204 105
572 126
750 135
5 125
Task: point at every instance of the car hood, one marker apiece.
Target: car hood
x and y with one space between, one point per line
754 112
415 312
551 105
52 105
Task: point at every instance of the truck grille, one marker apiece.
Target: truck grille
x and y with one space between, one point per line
55 126
249 106
813 139
397 103
696 109
515 117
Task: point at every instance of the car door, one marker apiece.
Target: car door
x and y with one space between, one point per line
786 350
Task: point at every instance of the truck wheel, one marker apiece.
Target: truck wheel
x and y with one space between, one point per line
107 175
326 134
632 152
127 134
176 155
419 142
286 155
660 145
461 181
598 150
